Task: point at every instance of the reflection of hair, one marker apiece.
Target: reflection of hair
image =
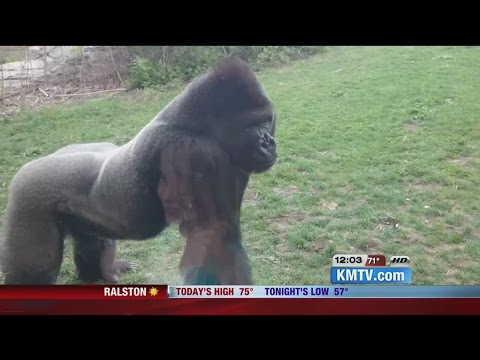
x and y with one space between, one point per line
205 170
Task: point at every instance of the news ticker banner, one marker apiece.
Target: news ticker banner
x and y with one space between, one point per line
171 293
356 291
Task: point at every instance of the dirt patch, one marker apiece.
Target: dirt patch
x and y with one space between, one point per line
450 277
250 197
314 191
281 227
414 237
464 161
357 202
444 248
422 186
330 205
411 237
476 233
387 219
459 230
283 249
346 189
318 245
283 223
412 125
286 191
372 246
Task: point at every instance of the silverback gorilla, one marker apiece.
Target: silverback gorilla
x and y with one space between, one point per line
100 192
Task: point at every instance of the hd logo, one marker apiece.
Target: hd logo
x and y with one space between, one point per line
399 261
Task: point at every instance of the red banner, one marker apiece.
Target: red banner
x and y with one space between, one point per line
392 306
83 292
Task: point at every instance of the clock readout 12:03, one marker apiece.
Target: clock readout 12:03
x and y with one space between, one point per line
358 260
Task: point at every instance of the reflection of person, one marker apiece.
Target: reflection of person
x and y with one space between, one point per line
202 192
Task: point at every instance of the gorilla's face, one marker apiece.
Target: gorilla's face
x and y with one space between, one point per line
259 150
231 106
249 139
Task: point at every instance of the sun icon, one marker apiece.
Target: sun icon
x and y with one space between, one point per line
153 291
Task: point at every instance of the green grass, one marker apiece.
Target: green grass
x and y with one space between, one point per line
364 134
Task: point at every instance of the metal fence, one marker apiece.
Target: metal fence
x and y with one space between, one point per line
36 74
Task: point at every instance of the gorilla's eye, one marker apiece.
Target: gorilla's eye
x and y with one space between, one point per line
259 123
257 129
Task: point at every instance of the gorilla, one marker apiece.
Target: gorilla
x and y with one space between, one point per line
99 193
